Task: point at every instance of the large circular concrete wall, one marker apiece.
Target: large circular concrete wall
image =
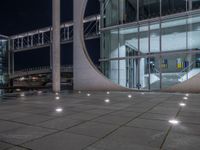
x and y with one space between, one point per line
86 75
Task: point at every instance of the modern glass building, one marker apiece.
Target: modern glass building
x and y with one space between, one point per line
150 44
3 61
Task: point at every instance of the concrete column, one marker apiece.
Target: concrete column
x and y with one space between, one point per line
56 46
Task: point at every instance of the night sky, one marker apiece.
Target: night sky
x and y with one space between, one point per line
18 16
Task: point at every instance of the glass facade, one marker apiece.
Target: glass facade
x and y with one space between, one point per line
3 62
123 11
158 49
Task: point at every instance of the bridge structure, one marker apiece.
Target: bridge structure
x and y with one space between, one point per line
42 38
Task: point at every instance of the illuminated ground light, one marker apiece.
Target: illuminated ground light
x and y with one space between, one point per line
108 92
59 110
79 92
39 92
22 94
174 122
57 97
107 100
185 98
88 94
182 104
142 93
57 94
187 94
18 90
129 96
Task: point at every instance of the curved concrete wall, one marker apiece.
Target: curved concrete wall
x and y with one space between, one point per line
86 75
190 86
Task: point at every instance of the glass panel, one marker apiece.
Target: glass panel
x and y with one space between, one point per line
195 4
155 38
144 73
130 14
173 6
172 67
154 65
111 12
149 9
122 73
194 33
114 71
174 34
128 42
131 73
110 44
144 40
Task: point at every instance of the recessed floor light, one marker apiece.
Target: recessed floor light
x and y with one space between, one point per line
108 93
59 110
22 94
174 122
142 93
57 94
88 94
107 100
18 90
185 98
39 92
129 96
57 97
79 92
187 94
182 104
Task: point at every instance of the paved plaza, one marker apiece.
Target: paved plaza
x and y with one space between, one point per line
100 121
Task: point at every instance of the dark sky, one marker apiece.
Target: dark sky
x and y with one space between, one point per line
19 16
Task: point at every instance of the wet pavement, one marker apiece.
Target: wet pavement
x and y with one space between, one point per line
100 121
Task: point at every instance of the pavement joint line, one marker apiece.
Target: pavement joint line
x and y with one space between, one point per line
96 118
59 131
169 130
14 145
123 124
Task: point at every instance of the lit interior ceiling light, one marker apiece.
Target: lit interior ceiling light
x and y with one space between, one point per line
57 97
185 98
107 100
59 110
174 122
129 96
108 92
182 104
88 94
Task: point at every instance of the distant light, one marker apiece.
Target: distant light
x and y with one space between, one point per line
107 100
18 90
57 94
108 92
57 97
129 96
59 110
39 92
182 104
22 94
187 94
88 94
185 98
174 121
22 79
